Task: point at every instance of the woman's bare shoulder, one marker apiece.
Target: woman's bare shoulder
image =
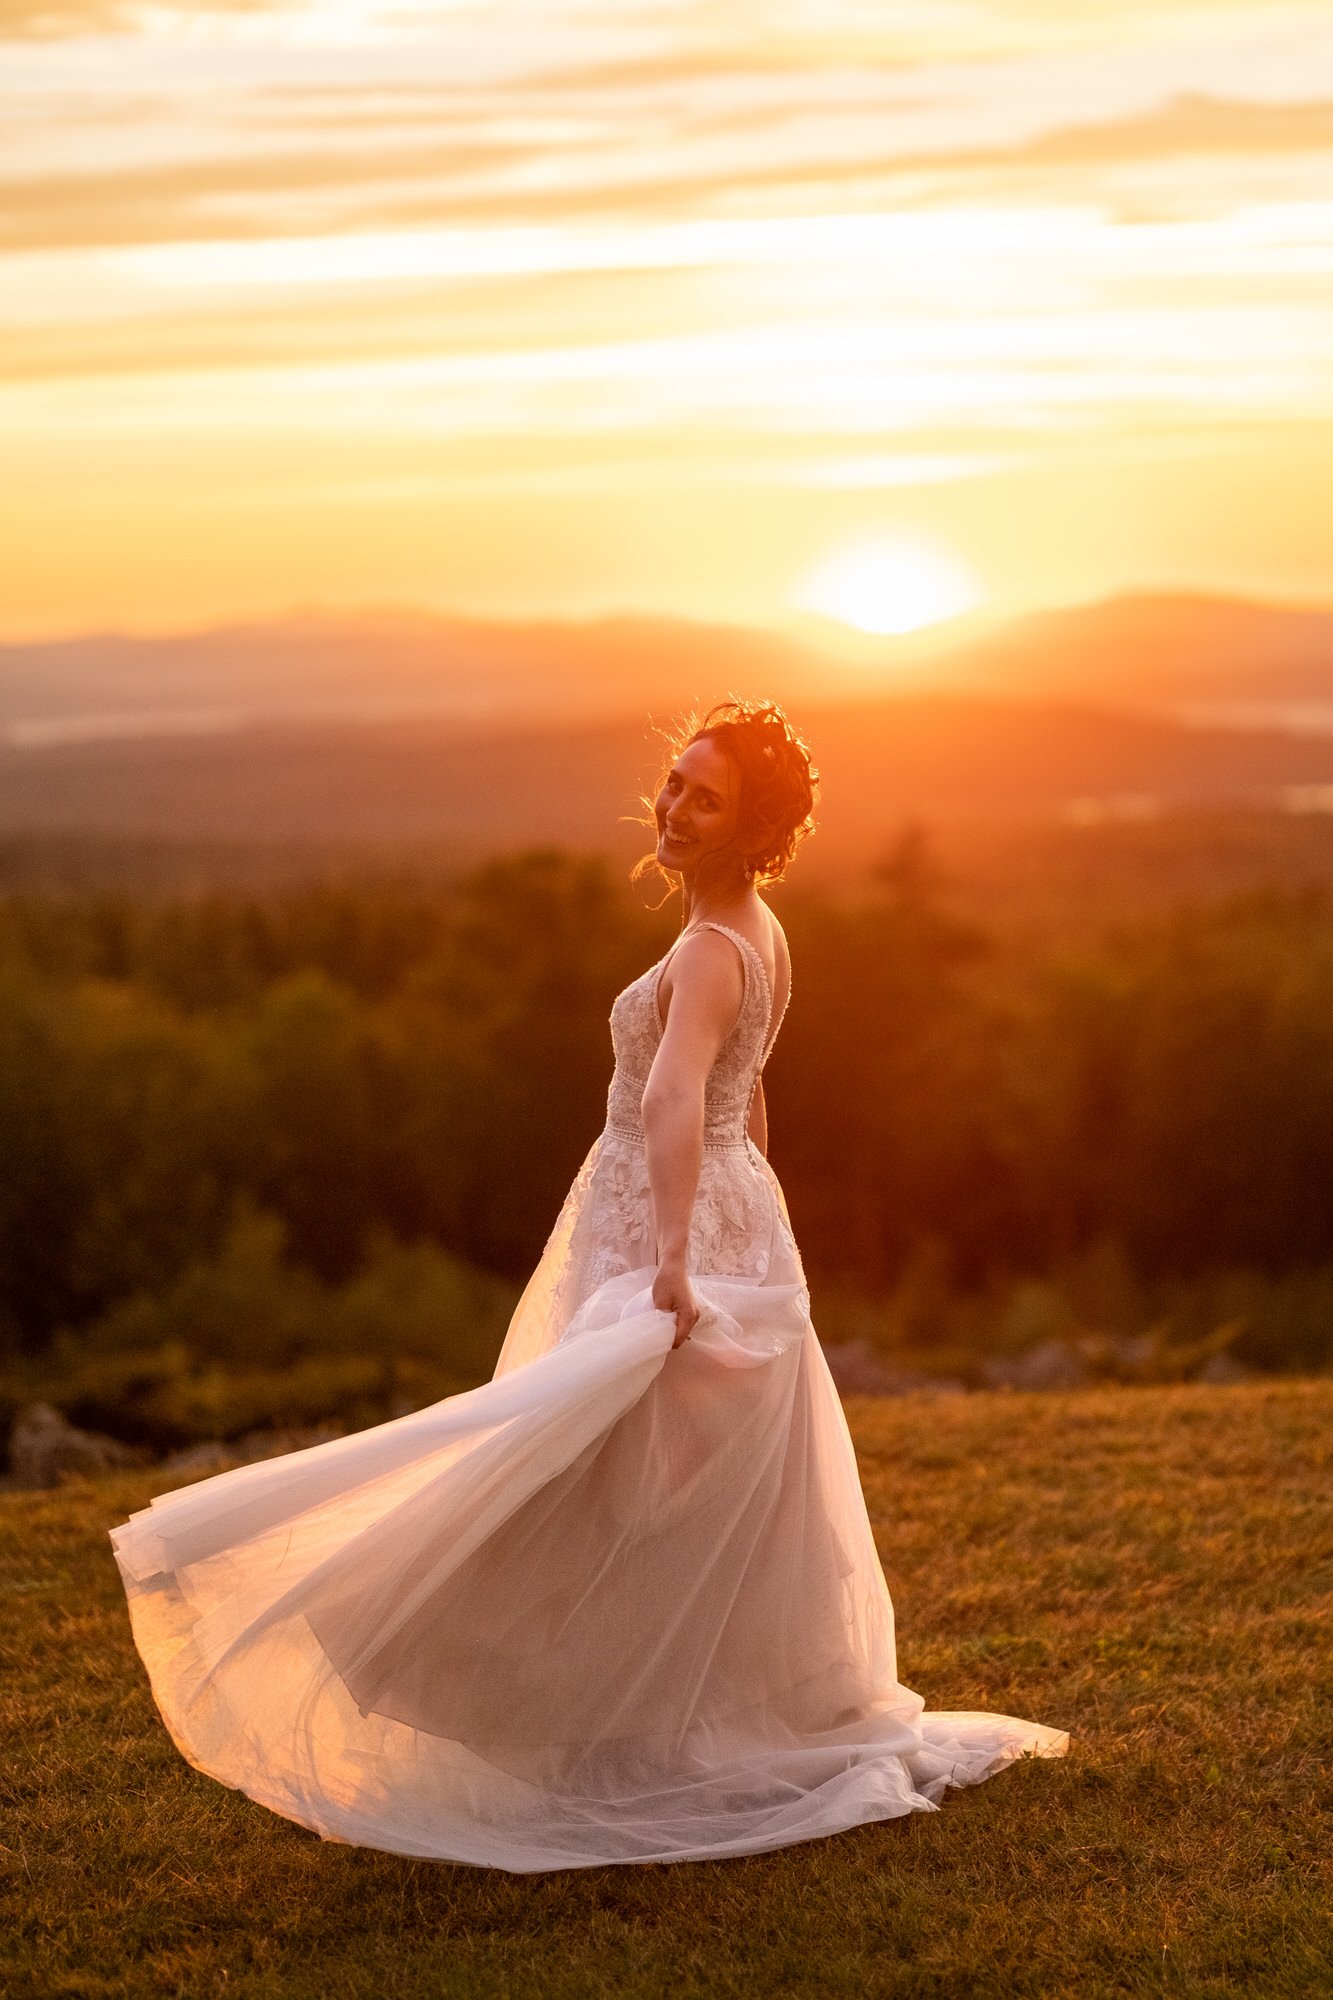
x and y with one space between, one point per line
781 949
705 952
704 966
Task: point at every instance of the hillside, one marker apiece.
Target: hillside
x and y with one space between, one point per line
470 788
1229 658
391 726
1149 1569
1211 658
387 665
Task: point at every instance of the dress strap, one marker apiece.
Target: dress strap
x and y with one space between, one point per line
752 959
739 937
776 1017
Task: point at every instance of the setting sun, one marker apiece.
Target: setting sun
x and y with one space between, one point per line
657 308
889 583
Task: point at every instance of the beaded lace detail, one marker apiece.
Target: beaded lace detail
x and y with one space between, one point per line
739 1226
636 1034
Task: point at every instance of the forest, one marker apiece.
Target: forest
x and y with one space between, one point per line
285 1152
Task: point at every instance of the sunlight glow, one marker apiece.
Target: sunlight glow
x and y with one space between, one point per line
560 306
890 582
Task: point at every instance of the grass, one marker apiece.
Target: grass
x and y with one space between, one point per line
1149 1568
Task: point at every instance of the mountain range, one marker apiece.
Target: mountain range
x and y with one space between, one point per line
393 725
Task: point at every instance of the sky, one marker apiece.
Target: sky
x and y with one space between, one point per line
884 312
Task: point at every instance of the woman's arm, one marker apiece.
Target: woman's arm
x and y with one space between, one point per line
757 1126
707 988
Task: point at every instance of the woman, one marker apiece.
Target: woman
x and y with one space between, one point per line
622 1603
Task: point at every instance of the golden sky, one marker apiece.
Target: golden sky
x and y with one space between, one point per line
882 310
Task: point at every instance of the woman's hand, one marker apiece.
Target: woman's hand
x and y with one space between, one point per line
671 1293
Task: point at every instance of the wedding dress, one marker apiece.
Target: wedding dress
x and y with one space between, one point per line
619 1604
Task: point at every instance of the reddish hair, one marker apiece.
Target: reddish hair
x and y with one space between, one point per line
779 784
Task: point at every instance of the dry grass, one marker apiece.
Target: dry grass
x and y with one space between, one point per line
1150 1569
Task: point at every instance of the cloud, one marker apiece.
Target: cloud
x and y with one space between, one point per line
690 67
1189 124
473 179
231 195
56 20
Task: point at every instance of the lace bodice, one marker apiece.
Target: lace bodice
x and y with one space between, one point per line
739 1226
636 1033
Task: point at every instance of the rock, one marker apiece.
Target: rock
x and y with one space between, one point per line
1221 1369
912 1382
857 1370
256 1445
1051 1365
44 1448
1135 1353
209 1456
220 1455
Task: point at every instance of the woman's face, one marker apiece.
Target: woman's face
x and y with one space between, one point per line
697 808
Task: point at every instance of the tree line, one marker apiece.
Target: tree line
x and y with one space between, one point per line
388 1084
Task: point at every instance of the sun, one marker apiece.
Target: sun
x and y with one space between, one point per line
890 581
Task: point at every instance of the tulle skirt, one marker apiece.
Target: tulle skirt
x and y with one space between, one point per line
620 1604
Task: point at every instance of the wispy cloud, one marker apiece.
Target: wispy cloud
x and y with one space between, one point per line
487 177
835 247
60 20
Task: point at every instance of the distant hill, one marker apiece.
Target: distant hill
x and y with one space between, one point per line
1204 658
1194 658
385 666
399 726
473 789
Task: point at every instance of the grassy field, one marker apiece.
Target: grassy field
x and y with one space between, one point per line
1150 1569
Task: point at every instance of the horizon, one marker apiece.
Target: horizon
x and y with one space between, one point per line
538 315
825 636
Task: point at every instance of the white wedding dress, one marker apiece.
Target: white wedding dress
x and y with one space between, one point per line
620 1604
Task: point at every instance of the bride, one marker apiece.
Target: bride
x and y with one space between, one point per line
621 1603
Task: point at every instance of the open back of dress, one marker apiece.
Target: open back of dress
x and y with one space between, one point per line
620 1604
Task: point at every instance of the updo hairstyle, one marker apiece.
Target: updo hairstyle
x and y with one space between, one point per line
779 784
